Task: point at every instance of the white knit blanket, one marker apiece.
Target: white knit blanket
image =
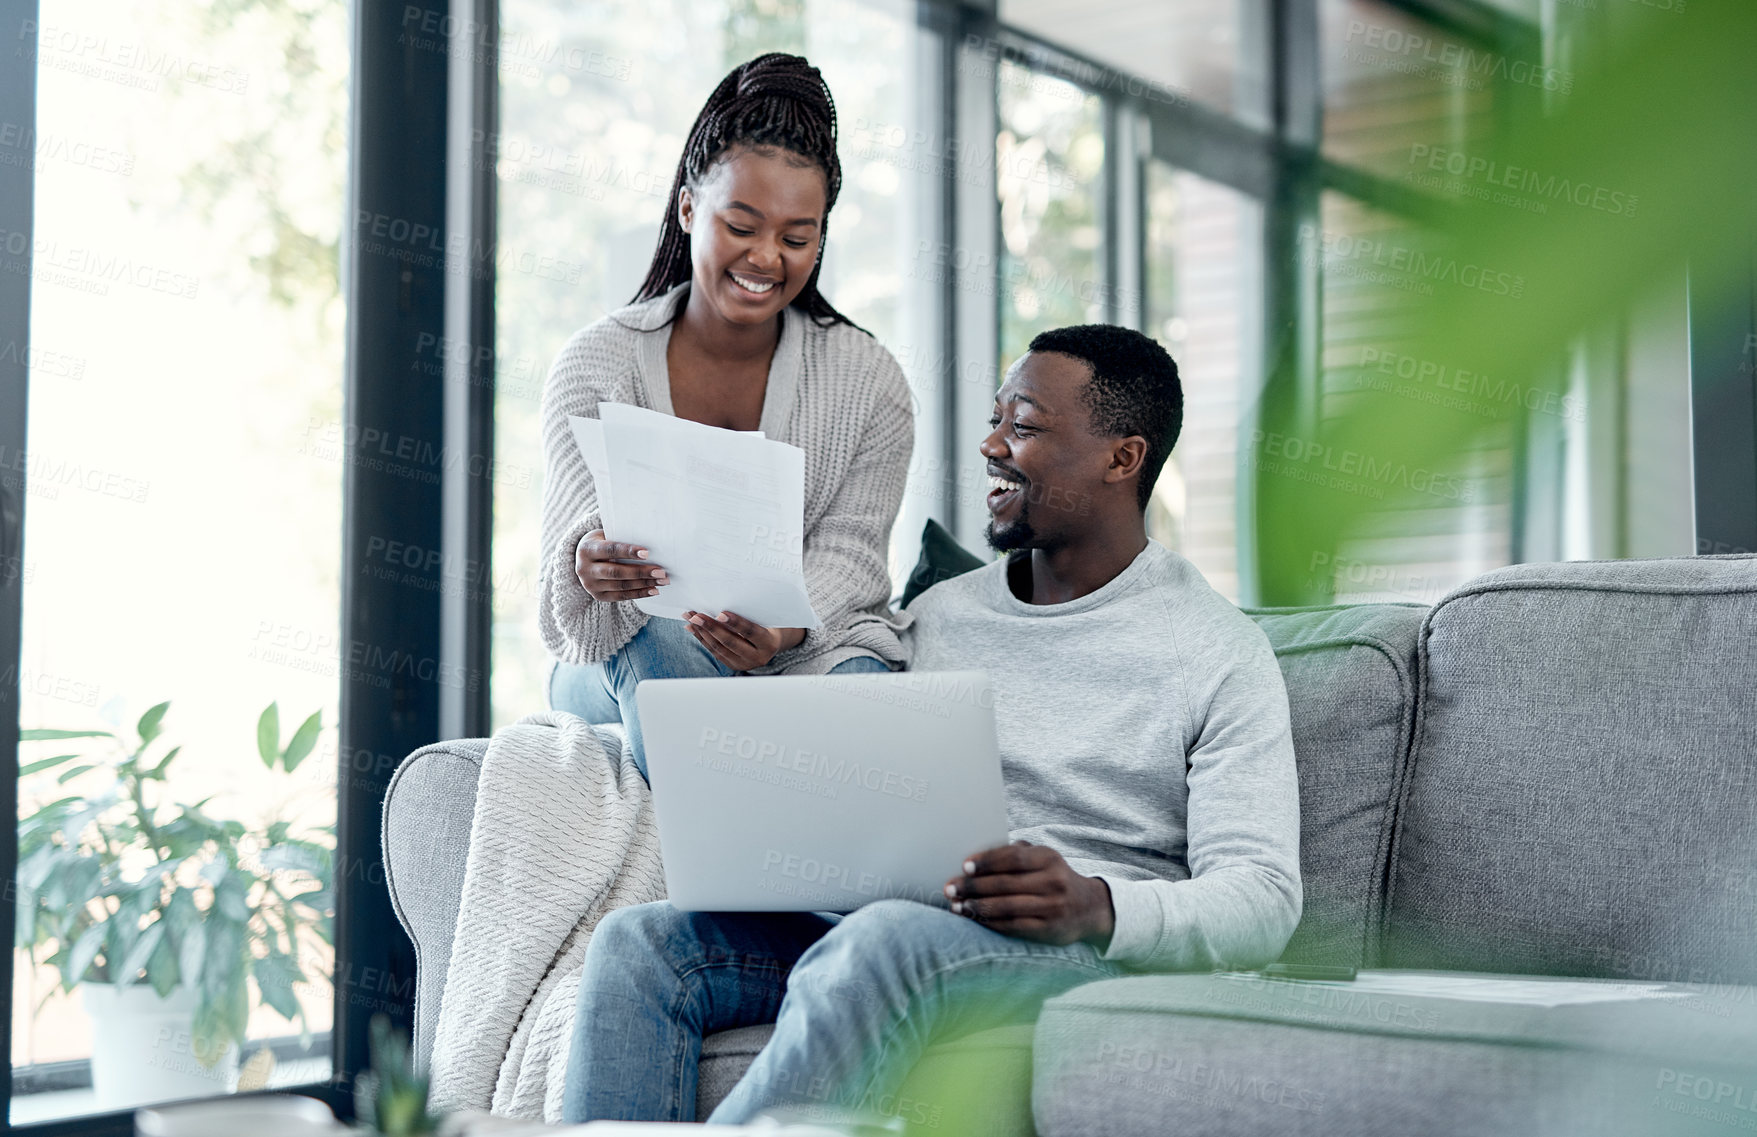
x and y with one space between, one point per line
563 833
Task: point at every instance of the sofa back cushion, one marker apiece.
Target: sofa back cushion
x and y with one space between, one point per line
1583 789
1351 690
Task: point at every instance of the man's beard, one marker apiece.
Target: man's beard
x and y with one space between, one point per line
1014 534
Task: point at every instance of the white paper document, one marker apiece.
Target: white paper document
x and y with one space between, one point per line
722 511
1534 991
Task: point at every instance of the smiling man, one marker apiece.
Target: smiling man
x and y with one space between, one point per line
1148 763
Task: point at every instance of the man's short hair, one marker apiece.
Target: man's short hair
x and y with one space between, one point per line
1134 389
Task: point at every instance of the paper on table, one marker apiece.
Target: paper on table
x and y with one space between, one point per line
723 511
1534 991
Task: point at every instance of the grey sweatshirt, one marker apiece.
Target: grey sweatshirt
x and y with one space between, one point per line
1144 735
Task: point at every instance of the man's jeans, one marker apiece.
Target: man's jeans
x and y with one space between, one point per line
662 649
855 1002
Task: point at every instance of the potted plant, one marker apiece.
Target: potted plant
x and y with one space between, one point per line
163 913
391 1099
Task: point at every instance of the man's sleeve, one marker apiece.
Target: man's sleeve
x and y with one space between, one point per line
1243 898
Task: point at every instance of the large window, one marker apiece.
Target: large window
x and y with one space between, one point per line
1049 163
593 121
185 469
1203 246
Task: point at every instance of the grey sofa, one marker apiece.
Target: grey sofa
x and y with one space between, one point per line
1552 772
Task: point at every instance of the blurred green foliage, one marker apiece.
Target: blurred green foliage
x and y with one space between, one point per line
1647 163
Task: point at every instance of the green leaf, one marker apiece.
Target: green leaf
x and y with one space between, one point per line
38 767
268 735
75 825
85 949
193 953
275 976
303 740
44 735
294 858
138 954
229 900
161 969
69 775
24 922
149 723
159 770
34 869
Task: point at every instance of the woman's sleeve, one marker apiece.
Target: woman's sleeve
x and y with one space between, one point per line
847 553
575 627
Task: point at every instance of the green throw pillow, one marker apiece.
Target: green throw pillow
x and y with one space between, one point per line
942 558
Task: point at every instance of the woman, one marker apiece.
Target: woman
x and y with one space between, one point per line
729 329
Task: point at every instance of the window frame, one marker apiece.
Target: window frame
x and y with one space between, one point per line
400 137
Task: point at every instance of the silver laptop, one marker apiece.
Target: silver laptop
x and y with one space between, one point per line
820 793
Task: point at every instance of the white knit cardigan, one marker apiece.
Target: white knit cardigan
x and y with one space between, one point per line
834 392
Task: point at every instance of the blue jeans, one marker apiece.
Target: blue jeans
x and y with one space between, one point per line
662 649
855 1002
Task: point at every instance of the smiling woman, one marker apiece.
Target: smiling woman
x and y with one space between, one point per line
729 329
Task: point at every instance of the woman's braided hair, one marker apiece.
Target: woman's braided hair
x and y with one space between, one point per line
775 100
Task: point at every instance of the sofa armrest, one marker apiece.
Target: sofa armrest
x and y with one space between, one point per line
428 808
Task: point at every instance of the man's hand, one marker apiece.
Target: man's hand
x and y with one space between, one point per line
739 643
1028 891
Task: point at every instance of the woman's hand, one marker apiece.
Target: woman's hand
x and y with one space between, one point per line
739 643
595 563
1029 891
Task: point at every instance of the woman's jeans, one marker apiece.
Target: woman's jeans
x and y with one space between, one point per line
854 1003
662 649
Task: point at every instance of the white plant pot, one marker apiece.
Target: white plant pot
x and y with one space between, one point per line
143 1048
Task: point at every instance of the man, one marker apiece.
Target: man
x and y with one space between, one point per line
1144 740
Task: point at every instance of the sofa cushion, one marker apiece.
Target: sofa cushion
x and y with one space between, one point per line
1583 791
1350 674
942 558
1209 1055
